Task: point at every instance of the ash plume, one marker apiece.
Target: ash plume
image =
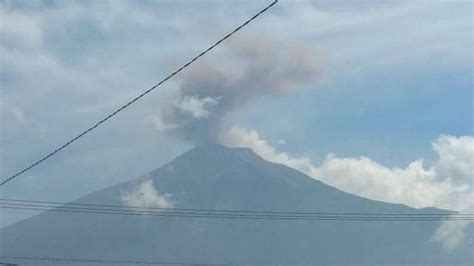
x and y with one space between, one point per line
249 67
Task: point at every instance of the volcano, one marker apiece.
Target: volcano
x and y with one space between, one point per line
217 177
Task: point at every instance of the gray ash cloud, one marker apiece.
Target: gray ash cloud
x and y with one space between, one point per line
249 68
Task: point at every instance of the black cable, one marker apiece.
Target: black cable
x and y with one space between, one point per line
107 207
238 216
139 96
56 259
173 212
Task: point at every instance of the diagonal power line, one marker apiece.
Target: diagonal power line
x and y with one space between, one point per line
98 261
139 96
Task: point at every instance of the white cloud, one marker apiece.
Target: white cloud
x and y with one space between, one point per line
456 158
145 195
447 184
197 107
452 233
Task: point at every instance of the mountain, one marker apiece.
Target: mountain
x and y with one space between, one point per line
216 177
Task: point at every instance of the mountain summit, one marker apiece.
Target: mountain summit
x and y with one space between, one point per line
216 177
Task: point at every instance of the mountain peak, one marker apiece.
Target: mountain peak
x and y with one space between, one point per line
219 151
220 147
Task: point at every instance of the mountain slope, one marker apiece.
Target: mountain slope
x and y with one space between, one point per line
215 177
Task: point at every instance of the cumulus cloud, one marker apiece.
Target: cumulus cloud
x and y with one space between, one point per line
249 67
456 158
447 184
452 234
145 195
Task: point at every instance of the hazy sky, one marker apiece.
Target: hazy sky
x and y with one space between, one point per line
392 83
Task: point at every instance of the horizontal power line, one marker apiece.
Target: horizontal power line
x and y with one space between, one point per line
97 261
248 217
139 96
53 204
235 215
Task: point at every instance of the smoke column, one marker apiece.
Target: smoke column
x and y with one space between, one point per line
250 67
